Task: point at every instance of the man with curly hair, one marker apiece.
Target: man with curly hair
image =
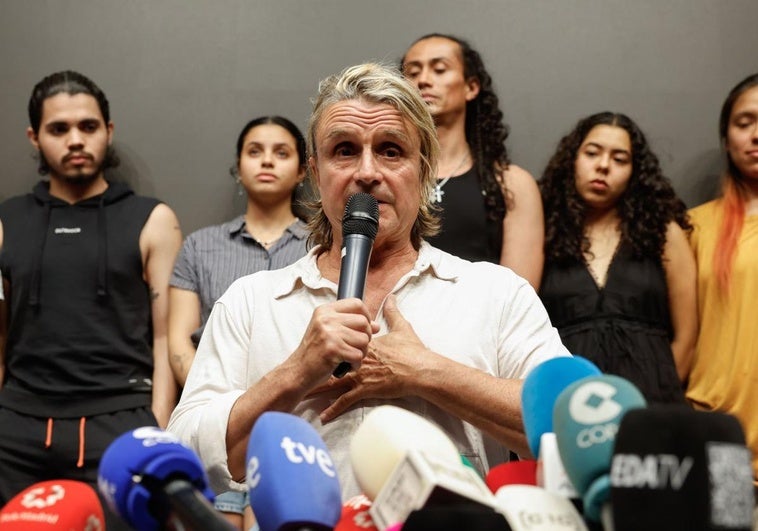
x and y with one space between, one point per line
491 209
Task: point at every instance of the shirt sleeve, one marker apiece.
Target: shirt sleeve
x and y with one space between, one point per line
527 337
185 274
217 380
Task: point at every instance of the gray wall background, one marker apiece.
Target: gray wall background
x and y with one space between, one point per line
184 76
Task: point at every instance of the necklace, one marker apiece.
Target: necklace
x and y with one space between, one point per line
271 239
437 193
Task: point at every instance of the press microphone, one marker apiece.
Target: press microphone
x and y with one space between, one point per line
150 479
291 477
381 441
522 472
586 417
677 469
531 508
55 504
405 463
541 388
355 515
360 223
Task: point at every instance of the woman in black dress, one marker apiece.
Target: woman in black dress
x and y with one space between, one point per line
619 280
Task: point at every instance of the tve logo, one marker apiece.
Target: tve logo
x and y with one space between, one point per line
299 453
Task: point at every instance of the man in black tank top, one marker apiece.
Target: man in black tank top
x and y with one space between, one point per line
85 266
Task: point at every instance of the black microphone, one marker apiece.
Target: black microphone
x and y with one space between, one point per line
360 223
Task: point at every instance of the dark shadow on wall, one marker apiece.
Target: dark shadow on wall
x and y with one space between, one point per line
703 175
132 170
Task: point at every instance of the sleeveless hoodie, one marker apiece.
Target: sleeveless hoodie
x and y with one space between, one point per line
80 330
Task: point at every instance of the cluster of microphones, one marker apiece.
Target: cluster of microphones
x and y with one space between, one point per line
605 460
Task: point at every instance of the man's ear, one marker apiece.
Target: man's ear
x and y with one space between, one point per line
314 170
109 127
32 136
472 88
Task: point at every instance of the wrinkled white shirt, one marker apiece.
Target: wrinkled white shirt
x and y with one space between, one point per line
478 314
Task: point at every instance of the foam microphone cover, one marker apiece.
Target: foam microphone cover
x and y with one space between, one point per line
522 472
291 477
147 453
56 504
676 469
356 516
541 388
585 421
530 508
383 439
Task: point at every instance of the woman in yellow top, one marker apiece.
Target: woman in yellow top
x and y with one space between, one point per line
724 374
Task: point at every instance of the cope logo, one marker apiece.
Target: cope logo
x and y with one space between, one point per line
297 453
592 404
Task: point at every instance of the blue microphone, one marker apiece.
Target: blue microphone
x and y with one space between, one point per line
291 477
586 418
541 388
149 478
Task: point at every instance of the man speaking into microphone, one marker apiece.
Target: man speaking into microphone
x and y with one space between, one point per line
445 338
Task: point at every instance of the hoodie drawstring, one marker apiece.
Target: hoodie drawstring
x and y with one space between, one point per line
80 461
102 250
34 288
49 439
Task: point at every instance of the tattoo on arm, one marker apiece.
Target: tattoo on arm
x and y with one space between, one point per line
153 294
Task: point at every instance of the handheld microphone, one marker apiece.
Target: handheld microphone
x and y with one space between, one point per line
291 478
149 478
585 420
385 436
360 224
677 469
55 504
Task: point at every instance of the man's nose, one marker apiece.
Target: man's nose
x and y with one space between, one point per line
368 171
75 138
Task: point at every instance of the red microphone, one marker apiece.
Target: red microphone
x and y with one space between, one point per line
55 504
512 473
355 515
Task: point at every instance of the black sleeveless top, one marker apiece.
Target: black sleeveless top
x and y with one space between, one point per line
623 327
80 328
465 230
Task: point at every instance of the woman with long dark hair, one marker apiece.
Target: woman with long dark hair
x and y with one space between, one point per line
619 276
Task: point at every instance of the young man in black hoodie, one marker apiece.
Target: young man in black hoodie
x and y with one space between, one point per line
85 265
